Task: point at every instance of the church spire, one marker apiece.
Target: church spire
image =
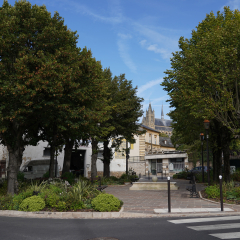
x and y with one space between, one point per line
162 115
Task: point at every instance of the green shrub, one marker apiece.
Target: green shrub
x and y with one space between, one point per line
18 199
213 191
83 190
46 175
70 177
32 204
51 199
3 187
106 203
6 202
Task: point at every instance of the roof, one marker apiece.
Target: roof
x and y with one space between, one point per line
168 143
152 129
163 122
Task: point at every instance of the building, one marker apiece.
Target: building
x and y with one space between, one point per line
160 124
150 154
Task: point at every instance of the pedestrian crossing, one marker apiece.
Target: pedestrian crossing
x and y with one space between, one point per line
228 230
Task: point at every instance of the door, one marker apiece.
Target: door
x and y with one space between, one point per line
77 162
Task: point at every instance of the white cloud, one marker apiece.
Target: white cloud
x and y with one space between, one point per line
115 12
233 4
124 36
123 51
165 54
143 42
149 85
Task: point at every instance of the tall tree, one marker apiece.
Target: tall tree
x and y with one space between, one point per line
205 72
37 54
126 110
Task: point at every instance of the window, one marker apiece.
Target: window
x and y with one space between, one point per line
132 146
46 152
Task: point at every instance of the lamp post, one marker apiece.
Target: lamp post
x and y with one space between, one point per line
127 157
202 138
206 126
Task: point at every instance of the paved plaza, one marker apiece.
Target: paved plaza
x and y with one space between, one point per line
144 204
148 201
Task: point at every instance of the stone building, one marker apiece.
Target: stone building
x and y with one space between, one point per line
160 124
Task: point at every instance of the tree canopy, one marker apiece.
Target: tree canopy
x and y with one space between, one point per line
203 82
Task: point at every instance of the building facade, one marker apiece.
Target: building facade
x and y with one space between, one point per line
160 124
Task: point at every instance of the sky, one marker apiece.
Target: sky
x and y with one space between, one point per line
135 37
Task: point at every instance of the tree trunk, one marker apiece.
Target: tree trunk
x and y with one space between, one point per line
67 156
226 153
94 158
106 159
13 169
52 157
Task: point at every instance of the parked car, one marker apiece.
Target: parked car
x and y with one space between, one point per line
37 168
199 169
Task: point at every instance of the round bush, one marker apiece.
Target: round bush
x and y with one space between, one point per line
106 203
32 204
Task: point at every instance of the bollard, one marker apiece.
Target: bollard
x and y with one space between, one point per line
221 195
169 197
162 174
148 175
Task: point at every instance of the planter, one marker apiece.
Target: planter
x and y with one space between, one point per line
154 178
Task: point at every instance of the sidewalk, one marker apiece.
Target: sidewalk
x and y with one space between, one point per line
145 204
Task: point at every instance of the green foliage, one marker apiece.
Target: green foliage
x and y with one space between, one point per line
70 177
46 175
18 198
83 190
32 204
36 186
6 202
163 135
203 84
213 191
3 187
181 175
20 176
106 203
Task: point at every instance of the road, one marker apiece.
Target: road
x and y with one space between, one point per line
187 228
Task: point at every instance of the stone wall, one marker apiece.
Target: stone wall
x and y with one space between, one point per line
115 174
138 167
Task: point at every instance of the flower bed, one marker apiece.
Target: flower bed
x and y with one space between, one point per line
55 195
231 193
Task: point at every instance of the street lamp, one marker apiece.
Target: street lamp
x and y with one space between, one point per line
206 126
202 138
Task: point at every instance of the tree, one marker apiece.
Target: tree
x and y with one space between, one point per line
125 111
203 82
37 59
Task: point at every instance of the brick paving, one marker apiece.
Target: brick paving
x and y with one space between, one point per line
139 201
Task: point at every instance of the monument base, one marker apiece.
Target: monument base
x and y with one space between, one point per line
153 186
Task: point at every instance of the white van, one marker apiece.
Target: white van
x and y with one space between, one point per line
37 168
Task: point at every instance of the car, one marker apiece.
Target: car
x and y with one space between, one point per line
199 169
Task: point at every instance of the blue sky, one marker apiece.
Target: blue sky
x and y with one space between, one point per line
135 37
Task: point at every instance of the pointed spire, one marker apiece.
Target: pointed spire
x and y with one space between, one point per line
162 115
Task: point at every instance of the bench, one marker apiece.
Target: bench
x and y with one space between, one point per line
192 188
100 187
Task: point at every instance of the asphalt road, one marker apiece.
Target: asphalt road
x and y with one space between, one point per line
122 229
